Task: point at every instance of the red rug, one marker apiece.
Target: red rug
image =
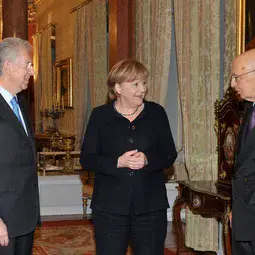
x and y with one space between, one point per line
73 237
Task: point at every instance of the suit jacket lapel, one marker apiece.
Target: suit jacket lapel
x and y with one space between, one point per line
244 135
25 116
241 138
247 148
7 114
246 143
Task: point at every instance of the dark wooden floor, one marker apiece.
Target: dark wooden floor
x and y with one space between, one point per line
170 242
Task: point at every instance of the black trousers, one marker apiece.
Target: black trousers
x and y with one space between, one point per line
146 233
21 245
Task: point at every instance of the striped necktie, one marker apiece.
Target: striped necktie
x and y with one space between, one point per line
15 108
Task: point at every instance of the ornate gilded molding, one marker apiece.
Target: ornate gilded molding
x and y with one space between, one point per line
228 117
230 95
37 2
226 220
196 201
240 26
223 174
31 11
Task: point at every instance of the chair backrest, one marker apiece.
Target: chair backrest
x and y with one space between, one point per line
228 115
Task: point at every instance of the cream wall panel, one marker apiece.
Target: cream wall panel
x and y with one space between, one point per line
58 13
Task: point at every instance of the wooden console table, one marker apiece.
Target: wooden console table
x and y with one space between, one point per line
68 161
58 142
202 198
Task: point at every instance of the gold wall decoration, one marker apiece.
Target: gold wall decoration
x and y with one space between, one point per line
64 84
37 2
245 25
31 11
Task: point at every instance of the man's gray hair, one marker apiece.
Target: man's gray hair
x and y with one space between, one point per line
10 49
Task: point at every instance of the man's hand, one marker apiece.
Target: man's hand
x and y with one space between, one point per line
4 239
230 219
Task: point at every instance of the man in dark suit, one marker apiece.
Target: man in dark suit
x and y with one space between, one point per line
19 204
243 181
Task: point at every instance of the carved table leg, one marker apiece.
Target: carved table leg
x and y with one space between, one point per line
177 225
226 236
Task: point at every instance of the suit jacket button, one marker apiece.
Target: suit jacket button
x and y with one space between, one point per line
36 186
245 179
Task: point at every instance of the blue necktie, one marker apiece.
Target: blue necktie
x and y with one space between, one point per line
15 108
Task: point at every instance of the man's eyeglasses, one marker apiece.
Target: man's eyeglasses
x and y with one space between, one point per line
236 78
29 65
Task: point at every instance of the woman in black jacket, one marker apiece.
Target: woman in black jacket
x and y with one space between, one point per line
127 144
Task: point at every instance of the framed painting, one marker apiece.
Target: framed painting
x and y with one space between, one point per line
245 25
64 83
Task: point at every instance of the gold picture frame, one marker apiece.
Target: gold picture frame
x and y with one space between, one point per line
64 83
245 25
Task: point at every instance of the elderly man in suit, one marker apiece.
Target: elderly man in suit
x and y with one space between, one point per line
19 204
243 182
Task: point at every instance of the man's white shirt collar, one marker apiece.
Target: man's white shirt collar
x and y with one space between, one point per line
6 95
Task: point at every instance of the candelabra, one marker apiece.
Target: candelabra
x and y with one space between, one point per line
53 113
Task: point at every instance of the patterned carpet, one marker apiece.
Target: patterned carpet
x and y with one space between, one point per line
69 237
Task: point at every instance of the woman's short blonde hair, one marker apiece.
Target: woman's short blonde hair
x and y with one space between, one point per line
126 70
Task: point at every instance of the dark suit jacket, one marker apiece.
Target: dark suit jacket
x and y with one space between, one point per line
108 136
243 184
19 204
